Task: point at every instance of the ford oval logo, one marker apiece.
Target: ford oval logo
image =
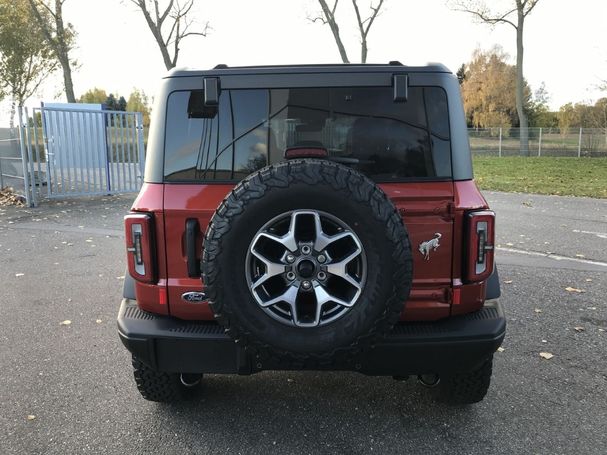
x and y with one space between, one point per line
194 297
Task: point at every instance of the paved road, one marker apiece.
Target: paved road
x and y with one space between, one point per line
76 380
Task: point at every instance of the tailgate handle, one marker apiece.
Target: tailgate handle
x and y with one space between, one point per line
191 235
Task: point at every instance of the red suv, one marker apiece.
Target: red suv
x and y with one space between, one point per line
316 217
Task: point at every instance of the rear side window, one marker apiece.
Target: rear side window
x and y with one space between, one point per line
360 127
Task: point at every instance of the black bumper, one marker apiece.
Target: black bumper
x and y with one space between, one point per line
173 345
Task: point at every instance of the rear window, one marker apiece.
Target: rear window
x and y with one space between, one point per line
360 127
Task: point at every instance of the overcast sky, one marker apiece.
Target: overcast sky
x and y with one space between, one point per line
565 45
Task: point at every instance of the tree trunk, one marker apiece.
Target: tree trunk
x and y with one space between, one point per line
363 51
67 80
335 30
11 123
520 95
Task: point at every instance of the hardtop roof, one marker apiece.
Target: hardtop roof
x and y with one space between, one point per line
391 67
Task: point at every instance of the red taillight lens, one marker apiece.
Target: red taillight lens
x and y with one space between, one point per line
480 246
139 237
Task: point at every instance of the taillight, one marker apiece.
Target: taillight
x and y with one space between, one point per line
139 246
480 245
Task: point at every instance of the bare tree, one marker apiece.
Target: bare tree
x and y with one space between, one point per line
26 59
514 16
364 26
59 36
178 24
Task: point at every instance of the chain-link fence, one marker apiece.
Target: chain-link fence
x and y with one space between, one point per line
573 142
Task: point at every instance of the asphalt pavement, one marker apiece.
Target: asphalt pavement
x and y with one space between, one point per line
64 262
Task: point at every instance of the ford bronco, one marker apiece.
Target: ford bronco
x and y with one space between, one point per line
310 217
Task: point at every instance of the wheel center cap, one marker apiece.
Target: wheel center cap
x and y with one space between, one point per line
306 268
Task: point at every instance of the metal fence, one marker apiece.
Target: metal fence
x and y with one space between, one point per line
73 151
11 165
573 142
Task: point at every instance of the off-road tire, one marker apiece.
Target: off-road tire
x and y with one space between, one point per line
318 185
466 387
161 387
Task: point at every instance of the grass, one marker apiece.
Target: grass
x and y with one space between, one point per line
545 175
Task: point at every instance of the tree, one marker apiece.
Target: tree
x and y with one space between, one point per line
364 26
461 74
59 36
486 90
25 58
538 110
94 96
121 104
179 26
111 103
138 102
521 9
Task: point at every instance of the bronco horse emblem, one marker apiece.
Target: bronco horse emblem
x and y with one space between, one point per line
425 247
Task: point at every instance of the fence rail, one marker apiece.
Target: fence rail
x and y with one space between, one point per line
591 142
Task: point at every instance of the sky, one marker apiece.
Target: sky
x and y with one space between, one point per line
565 45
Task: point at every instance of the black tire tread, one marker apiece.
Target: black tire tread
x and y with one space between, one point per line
159 386
341 179
466 387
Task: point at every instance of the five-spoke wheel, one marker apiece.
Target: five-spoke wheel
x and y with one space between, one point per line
306 268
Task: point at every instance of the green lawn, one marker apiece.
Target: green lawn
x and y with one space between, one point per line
545 175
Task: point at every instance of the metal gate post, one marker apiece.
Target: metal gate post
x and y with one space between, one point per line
26 185
500 146
539 147
140 148
579 144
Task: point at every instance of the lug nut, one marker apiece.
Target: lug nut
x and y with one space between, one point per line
290 258
306 284
306 249
290 276
321 258
321 275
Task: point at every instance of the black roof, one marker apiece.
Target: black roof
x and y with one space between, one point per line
391 67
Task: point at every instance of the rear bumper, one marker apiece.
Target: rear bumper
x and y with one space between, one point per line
173 345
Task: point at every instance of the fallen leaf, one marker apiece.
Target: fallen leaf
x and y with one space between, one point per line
527 204
19 274
88 241
120 277
601 330
66 322
290 380
500 349
537 310
544 341
579 329
509 244
31 417
507 281
570 289
546 355
98 321
588 280
580 256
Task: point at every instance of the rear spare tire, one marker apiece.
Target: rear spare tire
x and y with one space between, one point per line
307 259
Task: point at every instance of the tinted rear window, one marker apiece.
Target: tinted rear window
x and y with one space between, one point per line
360 127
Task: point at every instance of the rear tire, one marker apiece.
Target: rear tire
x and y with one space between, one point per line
466 387
164 387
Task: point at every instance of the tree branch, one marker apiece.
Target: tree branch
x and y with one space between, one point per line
484 15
